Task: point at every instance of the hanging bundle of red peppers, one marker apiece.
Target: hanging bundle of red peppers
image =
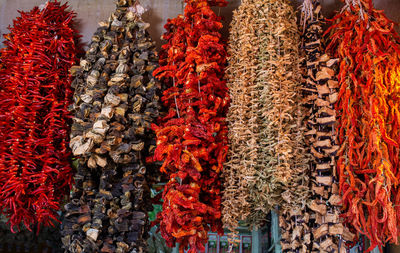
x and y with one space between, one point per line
192 137
35 170
368 47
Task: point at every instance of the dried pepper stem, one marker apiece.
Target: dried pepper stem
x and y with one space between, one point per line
368 47
35 91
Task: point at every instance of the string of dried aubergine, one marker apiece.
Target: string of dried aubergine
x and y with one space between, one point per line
368 119
116 101
240 169
35 91
192 138
320 91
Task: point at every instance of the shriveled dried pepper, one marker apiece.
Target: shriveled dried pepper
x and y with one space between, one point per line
35 170
192 137
368 48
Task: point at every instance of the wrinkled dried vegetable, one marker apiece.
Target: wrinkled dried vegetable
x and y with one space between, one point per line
192 138
116 100
283 162
35 91
320 90
368 118
240 168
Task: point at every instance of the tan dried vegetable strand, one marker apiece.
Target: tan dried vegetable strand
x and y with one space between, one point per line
239 171
283 163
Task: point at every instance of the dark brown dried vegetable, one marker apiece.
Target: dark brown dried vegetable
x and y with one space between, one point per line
116 100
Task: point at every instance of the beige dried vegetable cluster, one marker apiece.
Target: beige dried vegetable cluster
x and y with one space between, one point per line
242 118
267 163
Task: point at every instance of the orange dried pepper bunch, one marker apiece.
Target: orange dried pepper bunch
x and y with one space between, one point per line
367 45
192 137
35 92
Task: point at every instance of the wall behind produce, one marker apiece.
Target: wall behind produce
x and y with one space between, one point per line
90 12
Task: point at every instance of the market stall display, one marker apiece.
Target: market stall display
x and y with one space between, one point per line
35 92
116 99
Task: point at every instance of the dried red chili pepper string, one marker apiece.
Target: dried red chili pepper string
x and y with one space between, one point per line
367 45
35 171
191 138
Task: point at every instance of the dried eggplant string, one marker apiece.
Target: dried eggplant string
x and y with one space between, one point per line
239 171
368 48
320 90
116 101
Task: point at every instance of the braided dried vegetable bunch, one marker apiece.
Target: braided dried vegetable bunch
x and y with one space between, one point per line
320 90
35 92
368 48
116 100
192 137
240 169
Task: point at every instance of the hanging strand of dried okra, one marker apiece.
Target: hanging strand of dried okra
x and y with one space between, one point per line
368 49
116 100
240 168
35 92
285 179
320 91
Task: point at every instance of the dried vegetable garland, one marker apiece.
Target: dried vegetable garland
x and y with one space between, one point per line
192 137
282 173
321 92
35 91
240 169
368 118
116 100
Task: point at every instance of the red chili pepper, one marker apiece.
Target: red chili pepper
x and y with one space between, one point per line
368 127
35 170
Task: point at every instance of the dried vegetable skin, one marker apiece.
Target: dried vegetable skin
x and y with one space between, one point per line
240 169
320 90
192 137
367 46
116 100
35 92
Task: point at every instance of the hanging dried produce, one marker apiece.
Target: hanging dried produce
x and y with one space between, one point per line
35 91
240 169
192 138
116 100
282 176
368 119
320 91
